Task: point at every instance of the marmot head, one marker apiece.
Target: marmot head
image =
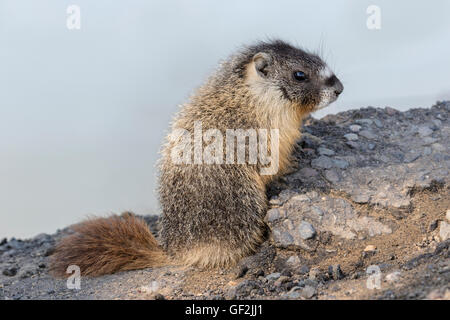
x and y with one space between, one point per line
300 78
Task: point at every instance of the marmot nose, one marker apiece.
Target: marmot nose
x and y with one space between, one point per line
338 87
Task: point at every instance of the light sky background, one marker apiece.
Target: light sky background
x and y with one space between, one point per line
83 112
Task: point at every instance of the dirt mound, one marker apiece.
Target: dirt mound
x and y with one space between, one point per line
364 216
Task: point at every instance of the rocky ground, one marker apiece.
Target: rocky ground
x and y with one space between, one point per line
364 216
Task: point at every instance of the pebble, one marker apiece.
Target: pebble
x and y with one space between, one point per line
351 136
293 261
447 215
308 292
355 128
367 134
364 121
308 172
444 231
326 152
273 276
341 164
352 144
306 230
433 225
393 276
370 248
273 215
322 162
332 176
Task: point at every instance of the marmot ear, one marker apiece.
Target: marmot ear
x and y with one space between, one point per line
262 60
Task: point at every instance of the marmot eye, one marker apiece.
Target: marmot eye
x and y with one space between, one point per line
300 76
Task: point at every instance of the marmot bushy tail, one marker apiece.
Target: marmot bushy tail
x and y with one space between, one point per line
228 142
107 245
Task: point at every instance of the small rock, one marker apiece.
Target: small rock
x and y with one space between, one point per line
322 162
371 146
364 121
326 152
351 136
352 144
378 123
293 261
308 172
355 128
367 134
447 215
273 276
282 238
273 215
393 276
332 176
341 164
308 292
433 225
275 201
306 230
370 248
444 231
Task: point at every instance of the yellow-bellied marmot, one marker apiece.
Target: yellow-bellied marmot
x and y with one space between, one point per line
213 211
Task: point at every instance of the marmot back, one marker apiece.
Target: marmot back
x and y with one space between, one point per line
234 135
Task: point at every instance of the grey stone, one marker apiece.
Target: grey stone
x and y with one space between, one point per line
367 134
341 164
308 172
306 230
444 231
273 214
364 121
355 128
323 162
332 176
308 292
282 238
326 152
351 136
273 276
352 144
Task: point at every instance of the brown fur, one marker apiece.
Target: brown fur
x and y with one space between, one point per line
107 245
